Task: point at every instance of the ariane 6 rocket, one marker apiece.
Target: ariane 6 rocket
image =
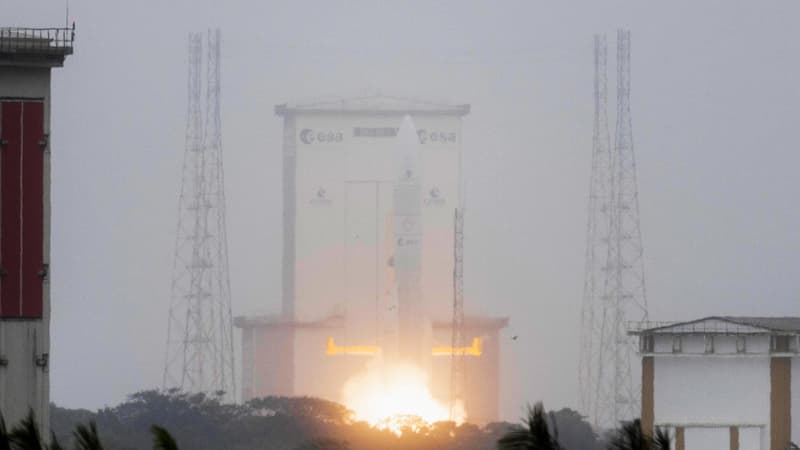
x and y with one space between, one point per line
412 319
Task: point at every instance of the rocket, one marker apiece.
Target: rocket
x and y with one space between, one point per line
407 224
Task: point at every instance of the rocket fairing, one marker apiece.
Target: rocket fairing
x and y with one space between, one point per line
408 244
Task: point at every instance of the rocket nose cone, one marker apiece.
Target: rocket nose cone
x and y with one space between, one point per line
407 134
407 151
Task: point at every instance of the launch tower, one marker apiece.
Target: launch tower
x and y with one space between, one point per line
346 225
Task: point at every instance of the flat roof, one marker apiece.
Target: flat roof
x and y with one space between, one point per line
373 104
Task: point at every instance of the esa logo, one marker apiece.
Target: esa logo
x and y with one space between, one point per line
309 136
320 197
434 197
434 137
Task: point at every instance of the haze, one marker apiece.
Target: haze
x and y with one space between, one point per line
715 115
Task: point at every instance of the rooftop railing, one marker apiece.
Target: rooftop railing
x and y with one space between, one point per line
37 40
699 327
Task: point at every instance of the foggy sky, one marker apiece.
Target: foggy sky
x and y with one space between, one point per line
715 121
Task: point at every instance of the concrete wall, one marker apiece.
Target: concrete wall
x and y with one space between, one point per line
693 390
23 384
795 388
273 361
707 438
317 374
707 383
702 438
25 82
751 438
247 371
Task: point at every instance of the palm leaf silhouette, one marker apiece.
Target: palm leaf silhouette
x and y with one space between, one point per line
662 440
86 438
162 440
5 439
25 435
54 445
534 435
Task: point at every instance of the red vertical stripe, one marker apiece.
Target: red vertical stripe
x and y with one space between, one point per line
32 209
10 209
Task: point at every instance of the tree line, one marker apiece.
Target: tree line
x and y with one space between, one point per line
171 420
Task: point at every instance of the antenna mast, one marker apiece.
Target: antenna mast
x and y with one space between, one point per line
614 287
458 366
200 334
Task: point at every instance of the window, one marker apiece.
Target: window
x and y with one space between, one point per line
709 343
646 343
780 344
741 344
676 344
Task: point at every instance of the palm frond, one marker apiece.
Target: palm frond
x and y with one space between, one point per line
662 440
555 442
534 435
629 437
54 445
86 438
5 440
162 440
518 439
25 435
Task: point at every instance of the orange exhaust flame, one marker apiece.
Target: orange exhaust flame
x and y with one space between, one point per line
475 350
365 350
396 397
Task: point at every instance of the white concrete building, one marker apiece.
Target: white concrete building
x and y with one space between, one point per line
26 57
722 383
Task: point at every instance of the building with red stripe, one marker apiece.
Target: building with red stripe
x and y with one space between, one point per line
27 56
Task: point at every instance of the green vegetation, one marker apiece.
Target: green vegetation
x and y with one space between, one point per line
630 437
539 433
199 422
535 435
26 436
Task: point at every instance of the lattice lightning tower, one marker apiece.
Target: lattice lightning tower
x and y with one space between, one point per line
614 287
199 334
458 363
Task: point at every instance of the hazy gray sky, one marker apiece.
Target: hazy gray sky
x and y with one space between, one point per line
716 112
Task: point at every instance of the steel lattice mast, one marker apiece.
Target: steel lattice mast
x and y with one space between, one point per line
598 226
458 363
200 334
614 288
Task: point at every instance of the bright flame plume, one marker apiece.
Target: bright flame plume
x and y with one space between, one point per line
395 397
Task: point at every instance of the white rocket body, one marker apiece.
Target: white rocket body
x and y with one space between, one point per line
412 321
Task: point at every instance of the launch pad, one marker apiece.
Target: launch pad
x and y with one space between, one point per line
287 358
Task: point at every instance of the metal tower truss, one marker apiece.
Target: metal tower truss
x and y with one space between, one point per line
458 363
199 356
614 287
